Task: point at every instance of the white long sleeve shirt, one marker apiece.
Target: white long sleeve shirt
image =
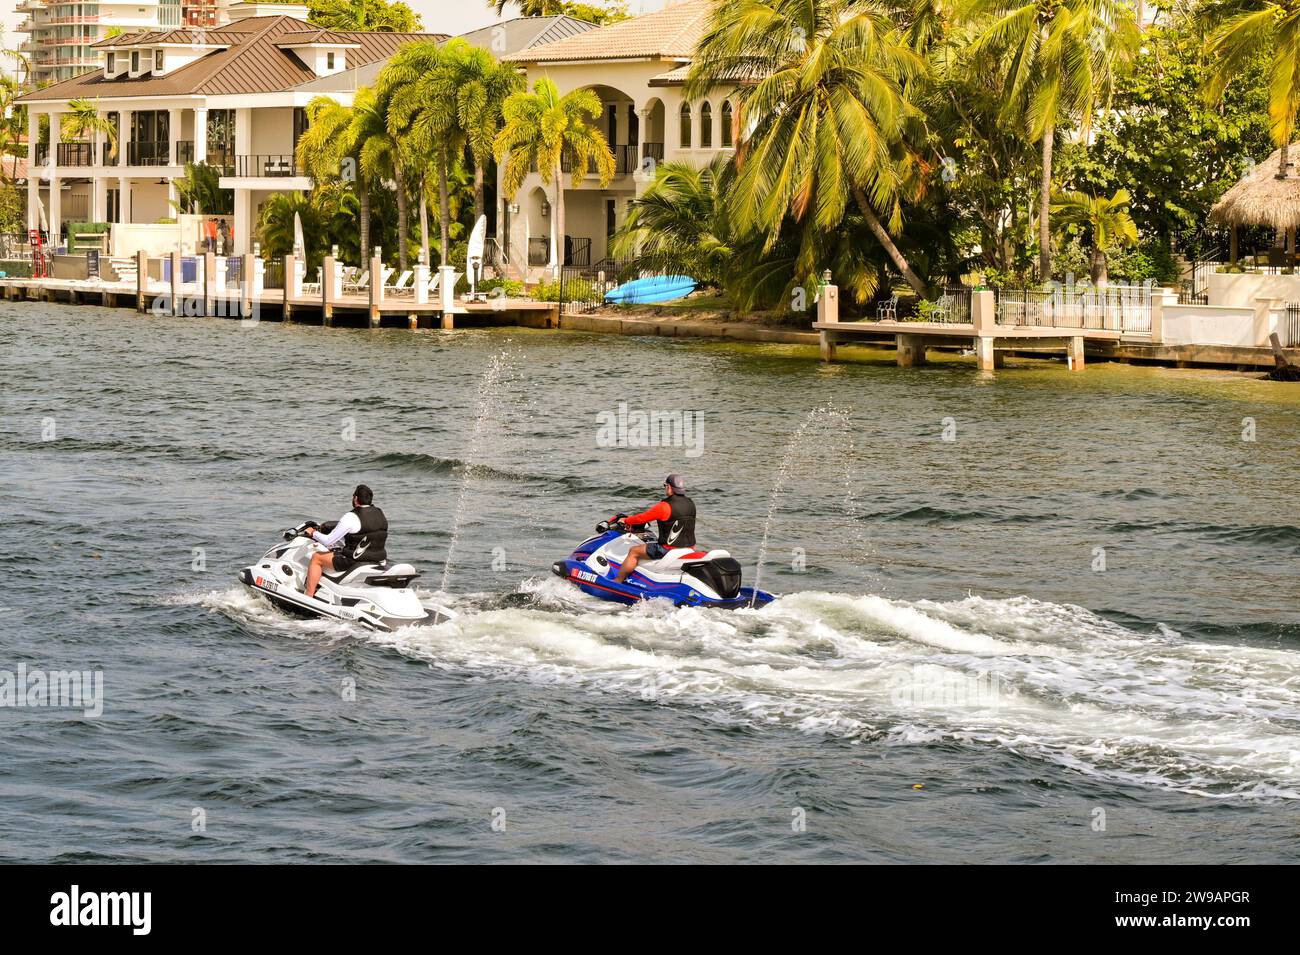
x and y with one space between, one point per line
349 523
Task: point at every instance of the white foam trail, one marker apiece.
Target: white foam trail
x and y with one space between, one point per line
1046 681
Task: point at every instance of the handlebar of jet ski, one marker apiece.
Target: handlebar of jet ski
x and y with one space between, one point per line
292 532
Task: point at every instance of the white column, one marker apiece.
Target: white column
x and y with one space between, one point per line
123 200
99 198
124 135
201 135
173 134
55 211
33 179
243 220
243 133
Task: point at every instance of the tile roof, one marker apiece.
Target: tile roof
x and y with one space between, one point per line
671 33
252 61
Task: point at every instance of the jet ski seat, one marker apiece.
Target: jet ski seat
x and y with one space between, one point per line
352 571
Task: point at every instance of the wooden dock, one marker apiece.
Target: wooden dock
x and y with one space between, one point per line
193 299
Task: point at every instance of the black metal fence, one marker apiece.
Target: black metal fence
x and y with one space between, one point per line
953 306
1288 326
583 287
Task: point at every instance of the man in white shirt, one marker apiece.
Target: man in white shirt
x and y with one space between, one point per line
358 537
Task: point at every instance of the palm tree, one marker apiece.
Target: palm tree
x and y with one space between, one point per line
447 97
1106 222
330 149
380 158
482 86
544 129
84 119
422 116
12 123
679 224
1060 57
820 120
275 228
199 191
1252 28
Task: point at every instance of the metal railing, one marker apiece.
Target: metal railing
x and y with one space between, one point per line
577 251
625 161
1121 308
583 287
953 306
75 154
184 152
1288 325
653 151
261 166
145 153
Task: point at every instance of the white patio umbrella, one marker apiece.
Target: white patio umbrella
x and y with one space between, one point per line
298 244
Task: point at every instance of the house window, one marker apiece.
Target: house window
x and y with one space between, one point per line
110 66
135 61
329 61
727 121
158 61
706 126
686 126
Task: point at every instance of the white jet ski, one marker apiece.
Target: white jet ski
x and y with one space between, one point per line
378 596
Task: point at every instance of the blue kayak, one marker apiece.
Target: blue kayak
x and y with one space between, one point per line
657 288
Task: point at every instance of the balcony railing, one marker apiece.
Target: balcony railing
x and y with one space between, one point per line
184 152
626 160
653 151
147 153
75 154
270 166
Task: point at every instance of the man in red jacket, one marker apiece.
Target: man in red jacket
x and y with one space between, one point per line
676 517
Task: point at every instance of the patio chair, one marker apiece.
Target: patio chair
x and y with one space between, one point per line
887 309
1277 258
360 285
402 286
313 288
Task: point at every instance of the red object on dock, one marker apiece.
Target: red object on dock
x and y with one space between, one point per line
38 254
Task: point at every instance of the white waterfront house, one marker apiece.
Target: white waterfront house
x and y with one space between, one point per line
233 97
638 69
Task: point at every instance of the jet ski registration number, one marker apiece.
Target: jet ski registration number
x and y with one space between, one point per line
269 584
586 575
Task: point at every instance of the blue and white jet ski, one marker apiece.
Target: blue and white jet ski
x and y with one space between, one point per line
684 575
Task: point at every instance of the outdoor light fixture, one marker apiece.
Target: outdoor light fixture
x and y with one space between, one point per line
513 208
546 208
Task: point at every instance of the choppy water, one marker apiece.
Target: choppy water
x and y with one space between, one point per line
945 623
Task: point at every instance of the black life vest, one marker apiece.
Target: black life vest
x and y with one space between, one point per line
679 529
366 546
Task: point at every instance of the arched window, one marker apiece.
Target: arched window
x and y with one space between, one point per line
706 126
727 120
686 126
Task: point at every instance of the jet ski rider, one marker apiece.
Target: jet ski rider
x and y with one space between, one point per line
676 517
359 536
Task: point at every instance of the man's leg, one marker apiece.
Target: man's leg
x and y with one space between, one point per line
629 562
319 563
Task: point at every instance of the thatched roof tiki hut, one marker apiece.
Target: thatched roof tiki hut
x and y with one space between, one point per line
1269 195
